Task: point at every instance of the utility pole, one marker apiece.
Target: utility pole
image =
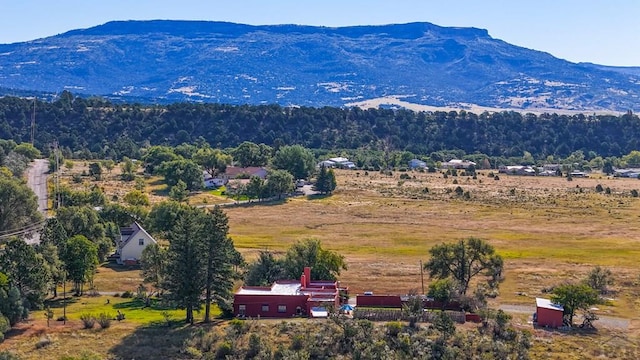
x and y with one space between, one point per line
64 297
57 174
33 121
422 277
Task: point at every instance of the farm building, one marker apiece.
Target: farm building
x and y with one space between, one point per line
548 314
417 164
457 164
287 298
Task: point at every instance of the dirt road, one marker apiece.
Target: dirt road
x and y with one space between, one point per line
605 321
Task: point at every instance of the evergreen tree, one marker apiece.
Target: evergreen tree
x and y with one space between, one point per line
185 276
220 250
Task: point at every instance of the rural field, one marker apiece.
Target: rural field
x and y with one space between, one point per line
548 229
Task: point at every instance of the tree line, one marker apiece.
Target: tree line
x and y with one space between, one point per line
96 128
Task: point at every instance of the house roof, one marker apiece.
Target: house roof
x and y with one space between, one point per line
547 304
339 159
278 288
131 232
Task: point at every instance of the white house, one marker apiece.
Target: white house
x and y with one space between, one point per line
337 162
233 172
457 164
417 163
133 239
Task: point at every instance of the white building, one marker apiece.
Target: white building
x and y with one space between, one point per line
133 239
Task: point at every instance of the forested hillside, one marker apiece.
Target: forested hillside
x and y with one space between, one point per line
115 130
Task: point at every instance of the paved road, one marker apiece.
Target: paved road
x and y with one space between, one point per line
37 181
606 321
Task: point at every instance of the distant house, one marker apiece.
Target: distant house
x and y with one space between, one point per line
517 170
231 173
133 239
457 164
337 162
417 163
628 173
287 298
548 314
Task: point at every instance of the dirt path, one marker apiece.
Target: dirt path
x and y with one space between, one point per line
606 321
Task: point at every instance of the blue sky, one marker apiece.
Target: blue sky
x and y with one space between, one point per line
599 31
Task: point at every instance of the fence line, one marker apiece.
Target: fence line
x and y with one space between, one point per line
381 314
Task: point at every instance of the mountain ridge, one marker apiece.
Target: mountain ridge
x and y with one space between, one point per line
300 65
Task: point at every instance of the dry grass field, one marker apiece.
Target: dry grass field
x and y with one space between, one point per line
548 229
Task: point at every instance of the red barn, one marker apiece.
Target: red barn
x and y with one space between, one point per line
286 298
548 314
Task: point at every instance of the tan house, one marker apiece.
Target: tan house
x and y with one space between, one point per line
133 239
231 173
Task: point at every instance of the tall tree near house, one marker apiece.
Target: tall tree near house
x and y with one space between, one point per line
326 181
219 252
81 259
464 260
213 161
255 188
186 267
153 263
574 297
279 182
324 264
265 270
52 264
295 159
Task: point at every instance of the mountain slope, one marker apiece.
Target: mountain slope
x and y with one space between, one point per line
311 66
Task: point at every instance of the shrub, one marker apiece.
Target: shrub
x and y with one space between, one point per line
405 176
394 328
225 349
104 320
7 355
607 191
599 188
127 294
634 193
496 177
43 342
459 191
238 326
88 321
455 181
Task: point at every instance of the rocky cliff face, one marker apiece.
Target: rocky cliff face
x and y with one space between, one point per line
163 61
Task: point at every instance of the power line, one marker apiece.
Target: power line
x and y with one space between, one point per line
22 231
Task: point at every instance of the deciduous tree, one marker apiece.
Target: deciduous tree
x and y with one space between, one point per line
464 260
325 264
81 259
265 270
295 159
18 205
26 271
574 297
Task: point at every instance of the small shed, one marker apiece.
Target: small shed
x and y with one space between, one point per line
548 314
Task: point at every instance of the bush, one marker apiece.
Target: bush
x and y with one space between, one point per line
88 321
496 177
43 342
394 328
607 191
599 188
127 294
104 320
634 193
225 349
7 355
405 176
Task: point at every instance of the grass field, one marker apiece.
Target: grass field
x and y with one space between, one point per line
549 230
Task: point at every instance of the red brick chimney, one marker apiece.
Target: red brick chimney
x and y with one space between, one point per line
307 276
303 282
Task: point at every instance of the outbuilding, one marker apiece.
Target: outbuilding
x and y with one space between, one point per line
548 314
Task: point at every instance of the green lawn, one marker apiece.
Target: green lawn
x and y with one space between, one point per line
134 310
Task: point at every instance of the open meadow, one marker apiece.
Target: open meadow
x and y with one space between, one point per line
548 229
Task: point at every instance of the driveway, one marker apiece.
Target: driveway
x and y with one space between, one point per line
605 321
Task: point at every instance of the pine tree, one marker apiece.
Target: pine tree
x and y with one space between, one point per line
186 267
220 273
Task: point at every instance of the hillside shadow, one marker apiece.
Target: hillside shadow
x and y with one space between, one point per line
159 341
58 303
119 268
156 341
318 196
